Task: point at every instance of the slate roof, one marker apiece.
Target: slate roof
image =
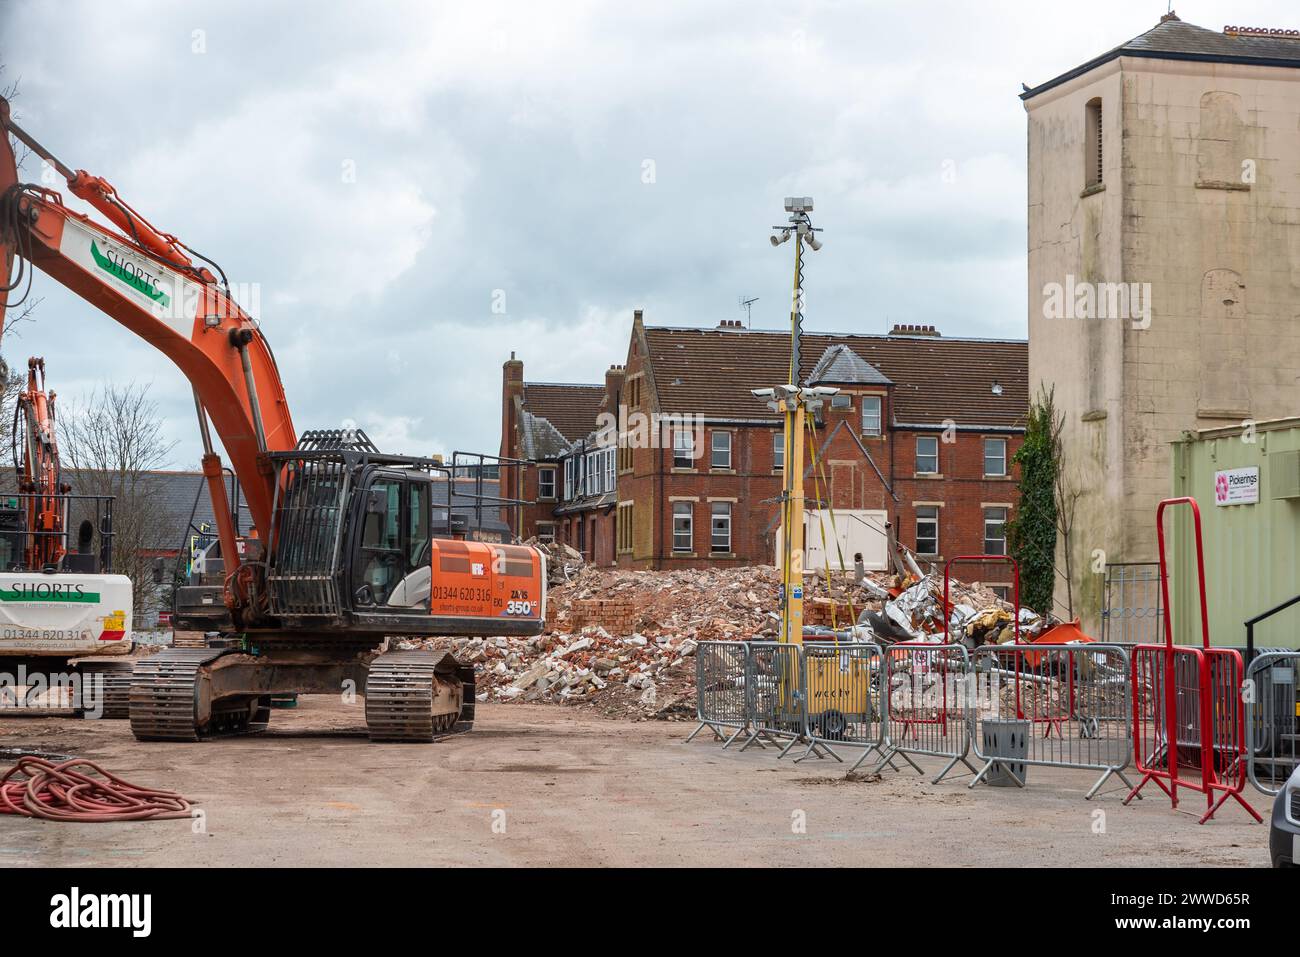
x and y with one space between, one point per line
541 439
710 372
176 493
172 495
1172 39
570 408
842 366
480 517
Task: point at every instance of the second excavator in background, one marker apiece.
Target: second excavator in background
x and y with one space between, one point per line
65 618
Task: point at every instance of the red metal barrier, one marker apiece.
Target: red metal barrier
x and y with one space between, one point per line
1188 713
1225 721
1167 743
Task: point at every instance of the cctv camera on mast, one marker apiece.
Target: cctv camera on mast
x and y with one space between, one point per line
793 401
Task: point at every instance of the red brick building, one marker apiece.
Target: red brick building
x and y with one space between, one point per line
918 441
547 424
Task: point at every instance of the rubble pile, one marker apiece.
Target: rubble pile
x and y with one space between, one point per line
562 561
714 604
635 674
623 641
976 615
1046 697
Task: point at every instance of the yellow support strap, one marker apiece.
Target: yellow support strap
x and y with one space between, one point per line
820 481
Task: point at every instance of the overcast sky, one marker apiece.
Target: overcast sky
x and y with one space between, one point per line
387 173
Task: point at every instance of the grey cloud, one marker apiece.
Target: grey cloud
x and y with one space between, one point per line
499 146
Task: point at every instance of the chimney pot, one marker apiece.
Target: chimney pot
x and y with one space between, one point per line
915 329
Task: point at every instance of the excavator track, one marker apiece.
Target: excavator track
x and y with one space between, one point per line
465 673
117 694
167 701
106 687
417 695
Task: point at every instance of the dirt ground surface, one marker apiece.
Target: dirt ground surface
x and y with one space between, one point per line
548 785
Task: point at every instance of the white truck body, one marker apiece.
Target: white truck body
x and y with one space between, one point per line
64 614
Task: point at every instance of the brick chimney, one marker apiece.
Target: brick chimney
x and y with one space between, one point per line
512 384
614 377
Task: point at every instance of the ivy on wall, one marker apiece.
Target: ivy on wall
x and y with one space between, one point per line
1032 533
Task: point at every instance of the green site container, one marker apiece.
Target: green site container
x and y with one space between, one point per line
1246 481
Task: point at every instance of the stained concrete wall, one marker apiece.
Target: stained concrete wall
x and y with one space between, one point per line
1201 200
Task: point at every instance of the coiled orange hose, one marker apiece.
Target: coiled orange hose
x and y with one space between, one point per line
35 787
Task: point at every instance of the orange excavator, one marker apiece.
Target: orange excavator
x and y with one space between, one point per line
353 547
36 461
64 614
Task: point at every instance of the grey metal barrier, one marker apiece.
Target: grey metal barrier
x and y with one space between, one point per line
842 684
1066 705
925 705
1131 609
720 700
1272 719
774 694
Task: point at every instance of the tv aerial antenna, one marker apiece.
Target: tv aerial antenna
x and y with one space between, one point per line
748 306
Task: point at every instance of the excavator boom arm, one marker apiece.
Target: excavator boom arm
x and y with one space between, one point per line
36 458
142 278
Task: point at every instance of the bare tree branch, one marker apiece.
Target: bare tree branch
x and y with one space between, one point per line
114 445
10 92
1068 492
11 383
24 315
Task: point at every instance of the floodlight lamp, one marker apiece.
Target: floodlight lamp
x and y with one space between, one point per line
798 204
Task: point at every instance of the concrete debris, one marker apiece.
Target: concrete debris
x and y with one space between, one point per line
562 561
636 675
642 664
648 695
914 611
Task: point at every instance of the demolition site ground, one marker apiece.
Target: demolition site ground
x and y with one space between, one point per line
537 784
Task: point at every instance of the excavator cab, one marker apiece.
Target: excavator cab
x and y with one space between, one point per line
390 566
378 543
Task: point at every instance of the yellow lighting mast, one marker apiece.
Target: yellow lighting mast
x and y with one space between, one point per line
794 401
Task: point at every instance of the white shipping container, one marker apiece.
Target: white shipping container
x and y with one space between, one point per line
857 531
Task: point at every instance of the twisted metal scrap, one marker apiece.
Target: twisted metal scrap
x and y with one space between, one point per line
35 787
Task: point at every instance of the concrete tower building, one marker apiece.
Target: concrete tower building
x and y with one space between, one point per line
1164 265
